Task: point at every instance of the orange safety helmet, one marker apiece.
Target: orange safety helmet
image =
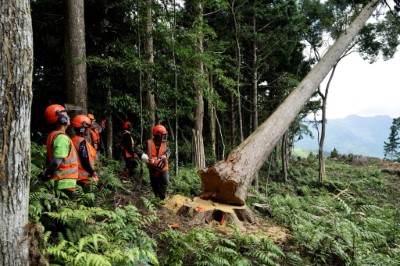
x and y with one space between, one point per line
159 130
81 121
91 116
54 114
126 124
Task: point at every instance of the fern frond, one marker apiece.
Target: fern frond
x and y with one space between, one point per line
262 257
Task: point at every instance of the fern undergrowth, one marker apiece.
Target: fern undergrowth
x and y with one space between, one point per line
350 219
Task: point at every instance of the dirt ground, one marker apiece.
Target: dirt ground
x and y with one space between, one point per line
168 209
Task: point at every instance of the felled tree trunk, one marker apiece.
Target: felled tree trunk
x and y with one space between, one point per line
228 180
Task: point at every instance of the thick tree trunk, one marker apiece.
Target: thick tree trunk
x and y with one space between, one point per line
213 120
16 64
228 181
75 59
197 141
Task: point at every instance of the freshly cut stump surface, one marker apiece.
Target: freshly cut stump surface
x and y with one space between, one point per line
201 211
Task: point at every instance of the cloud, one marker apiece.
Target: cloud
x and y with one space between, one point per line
364 89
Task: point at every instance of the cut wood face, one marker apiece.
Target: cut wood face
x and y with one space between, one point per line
201 212
216 189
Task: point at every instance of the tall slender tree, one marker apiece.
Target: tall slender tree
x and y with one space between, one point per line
16 65
198 144
391 147
75 54
148 81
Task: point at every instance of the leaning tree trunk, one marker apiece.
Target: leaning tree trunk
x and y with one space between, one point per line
16 64
228 180
75 50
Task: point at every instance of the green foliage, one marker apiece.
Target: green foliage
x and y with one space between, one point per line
186 183
202 247
391 148
346 220
93 236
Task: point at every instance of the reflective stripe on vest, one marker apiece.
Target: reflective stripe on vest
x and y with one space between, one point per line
82 173
69 165
152 151
127 154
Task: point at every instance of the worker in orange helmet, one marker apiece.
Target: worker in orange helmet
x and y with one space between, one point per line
158 153
132 150
86 152
94 133
61 154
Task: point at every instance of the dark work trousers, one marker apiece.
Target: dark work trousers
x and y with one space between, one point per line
159 182
131 164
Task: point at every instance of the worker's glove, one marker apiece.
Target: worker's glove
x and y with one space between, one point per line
163 158
144 157
160 164
42 176
95 177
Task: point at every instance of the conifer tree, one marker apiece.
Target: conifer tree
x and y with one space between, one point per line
391 147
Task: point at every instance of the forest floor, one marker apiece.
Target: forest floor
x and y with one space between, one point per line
168 209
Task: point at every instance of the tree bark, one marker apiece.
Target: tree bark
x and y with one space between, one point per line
285 157
75 59
238 69
213 120
197 141
322 172
228 181
16 64
254 103
149 53
109 130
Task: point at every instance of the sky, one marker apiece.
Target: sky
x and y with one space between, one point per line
360 88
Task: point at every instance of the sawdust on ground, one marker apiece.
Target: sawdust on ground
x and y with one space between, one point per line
277 234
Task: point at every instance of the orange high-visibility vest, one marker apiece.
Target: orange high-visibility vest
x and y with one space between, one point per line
83 175
153 154
69 165
95 138
127 154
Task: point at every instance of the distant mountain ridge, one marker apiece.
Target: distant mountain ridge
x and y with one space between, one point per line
353 134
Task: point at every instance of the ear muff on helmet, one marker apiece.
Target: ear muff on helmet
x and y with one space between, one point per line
83 127
62 119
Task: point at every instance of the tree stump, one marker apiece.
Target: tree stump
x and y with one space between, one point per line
206 211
